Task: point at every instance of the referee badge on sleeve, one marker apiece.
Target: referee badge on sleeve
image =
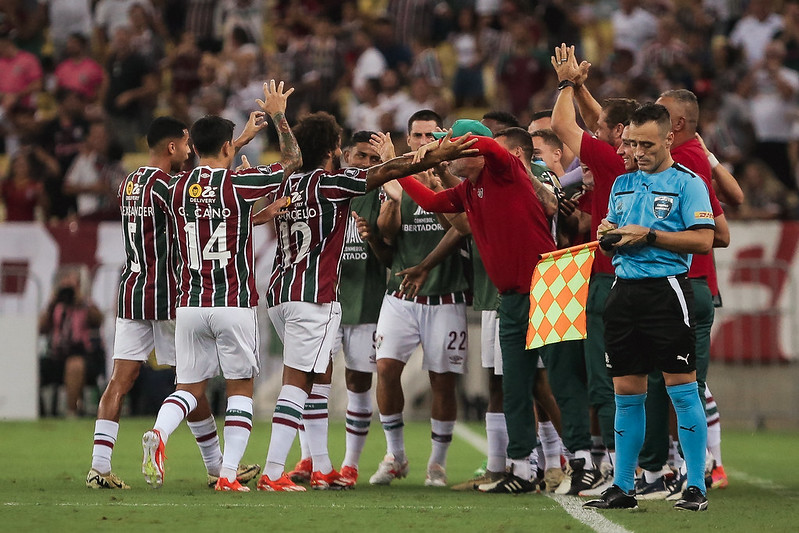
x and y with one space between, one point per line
663 206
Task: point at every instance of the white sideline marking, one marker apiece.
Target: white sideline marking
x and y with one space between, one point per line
570 504
759 482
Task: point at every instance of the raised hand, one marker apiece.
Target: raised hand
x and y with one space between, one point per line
362 225
245 163
449 149
383 145
412 280
274 98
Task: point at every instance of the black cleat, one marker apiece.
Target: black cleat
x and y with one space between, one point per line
613 498
583 478
509 484
692 500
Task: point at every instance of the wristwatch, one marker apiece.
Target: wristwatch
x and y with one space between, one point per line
566 83
651 237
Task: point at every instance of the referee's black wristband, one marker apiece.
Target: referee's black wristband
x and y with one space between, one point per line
566 83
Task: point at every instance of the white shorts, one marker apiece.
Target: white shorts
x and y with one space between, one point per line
490 351
358 342
441 330
308 332
210 338
135 339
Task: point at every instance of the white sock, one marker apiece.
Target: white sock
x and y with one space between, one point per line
238 426
441 438
305 447
550 442
315 420
358 420
585 455
286 418
675 459
175 408
497 435
395 437
105 436
207 438
598 450
713 426
521 468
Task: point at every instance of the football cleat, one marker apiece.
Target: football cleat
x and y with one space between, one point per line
302 471
436 476
613 498
388 470
719 477
350 473
244 474
96 480
282 484
553 478
583 478
508 484
331 481
223 485
152 465
656 490
692 500
472 484
606 469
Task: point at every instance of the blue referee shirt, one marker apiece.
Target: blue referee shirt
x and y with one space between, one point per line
673 200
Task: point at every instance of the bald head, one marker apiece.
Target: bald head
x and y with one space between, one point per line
684 111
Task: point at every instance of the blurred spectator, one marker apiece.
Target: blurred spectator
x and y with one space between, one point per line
398 55
63 137
633 26
467 88
78 72
27 19
369 62
413 19
22 74
184 62
754 31
765 197
145 35
772 89
110 15
66 18
95 175
426 64
322 62
392 99
75 355
790 33
22 189
667 52
199 21
246 85
522 73
367 114
248 15
132 88
422 96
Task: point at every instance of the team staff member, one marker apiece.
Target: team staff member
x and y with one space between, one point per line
661 215
508 214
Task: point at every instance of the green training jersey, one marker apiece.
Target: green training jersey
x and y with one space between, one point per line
362 281
419 234
486 296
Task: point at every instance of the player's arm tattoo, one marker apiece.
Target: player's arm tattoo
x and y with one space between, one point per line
547 198
289 149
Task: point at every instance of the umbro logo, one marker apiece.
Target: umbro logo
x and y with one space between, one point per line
683 358
420 212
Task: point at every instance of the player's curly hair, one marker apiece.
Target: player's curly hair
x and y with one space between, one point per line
318 135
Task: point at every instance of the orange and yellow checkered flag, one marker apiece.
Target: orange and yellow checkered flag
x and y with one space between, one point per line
558 294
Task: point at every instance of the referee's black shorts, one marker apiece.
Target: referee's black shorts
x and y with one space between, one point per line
649 324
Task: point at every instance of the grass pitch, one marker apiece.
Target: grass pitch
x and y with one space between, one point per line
45 464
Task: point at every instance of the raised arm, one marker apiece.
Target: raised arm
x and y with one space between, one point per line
414 277
274 104
724 183
564 118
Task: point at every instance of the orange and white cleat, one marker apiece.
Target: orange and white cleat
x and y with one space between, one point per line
282 484
223 485
350 473
333 480
719 477
152 465
302 471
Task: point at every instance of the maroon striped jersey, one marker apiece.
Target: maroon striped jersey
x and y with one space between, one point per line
147 284
310 235
211 211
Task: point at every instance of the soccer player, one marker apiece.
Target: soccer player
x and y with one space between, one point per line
303 290
362 284
498 194
146 305
662 214
216 323
435 318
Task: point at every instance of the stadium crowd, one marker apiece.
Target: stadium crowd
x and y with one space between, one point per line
79 93
76 99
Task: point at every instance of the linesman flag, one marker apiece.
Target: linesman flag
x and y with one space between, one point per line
558 295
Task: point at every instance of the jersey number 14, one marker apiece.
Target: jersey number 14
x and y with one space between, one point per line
215 248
